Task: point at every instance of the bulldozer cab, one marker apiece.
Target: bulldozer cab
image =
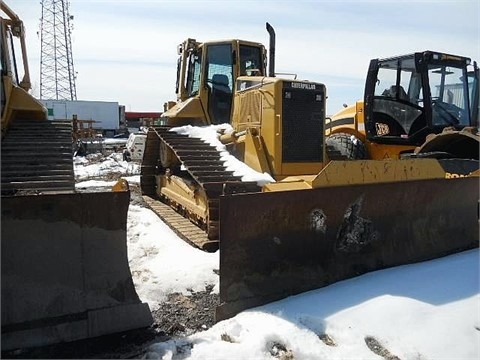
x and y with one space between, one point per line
410 96
206 74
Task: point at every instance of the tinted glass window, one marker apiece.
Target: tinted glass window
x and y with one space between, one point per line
449 95
251 62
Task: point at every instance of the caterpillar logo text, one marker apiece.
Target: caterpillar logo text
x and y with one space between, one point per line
306 86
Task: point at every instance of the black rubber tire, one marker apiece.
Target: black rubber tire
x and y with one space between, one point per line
341 146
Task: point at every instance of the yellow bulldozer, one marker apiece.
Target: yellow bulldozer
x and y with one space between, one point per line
323 217
225 82
65 273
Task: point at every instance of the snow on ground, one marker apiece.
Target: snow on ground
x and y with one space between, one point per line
424 311
95 165
161 263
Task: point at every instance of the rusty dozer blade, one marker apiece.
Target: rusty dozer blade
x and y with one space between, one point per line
65 272
277 244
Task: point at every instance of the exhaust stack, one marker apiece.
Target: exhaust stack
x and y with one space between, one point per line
271 60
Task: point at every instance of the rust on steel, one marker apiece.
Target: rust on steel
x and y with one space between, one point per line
65 272
273 245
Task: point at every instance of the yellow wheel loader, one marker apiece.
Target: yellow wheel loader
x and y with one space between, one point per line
65 273
323 218
423 104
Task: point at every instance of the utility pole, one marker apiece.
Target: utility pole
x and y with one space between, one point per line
57 74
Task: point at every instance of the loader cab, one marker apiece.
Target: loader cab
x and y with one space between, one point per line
209 70
410 96
473 88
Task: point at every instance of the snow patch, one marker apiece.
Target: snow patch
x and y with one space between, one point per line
210 134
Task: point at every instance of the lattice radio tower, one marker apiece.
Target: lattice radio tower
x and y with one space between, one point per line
57 75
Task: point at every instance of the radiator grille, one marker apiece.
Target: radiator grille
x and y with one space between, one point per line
303 118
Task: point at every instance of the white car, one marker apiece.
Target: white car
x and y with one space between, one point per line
134 147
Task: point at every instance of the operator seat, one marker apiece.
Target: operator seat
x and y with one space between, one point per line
220 83
392 93
220 101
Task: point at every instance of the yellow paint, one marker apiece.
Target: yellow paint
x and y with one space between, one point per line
338 173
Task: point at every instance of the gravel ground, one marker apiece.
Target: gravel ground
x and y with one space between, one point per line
180 316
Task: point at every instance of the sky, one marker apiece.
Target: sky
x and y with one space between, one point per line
125 51
424 311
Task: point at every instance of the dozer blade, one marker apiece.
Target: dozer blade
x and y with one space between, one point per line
277 244
65 272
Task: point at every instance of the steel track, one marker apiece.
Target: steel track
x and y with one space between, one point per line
201 163
37 158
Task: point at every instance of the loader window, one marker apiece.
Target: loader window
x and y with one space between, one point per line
399 80
450 97
473 95
398 99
